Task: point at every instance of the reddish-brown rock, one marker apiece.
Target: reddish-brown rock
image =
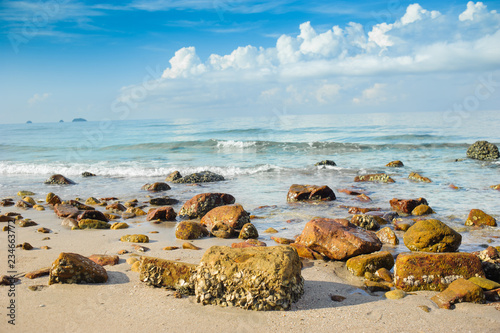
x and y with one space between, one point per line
460 290
75 268
38 273
406 206
105 259
93 215
419 178
200 204
116 207
309 192
65 210
477 218
305 252
233 216
163 214
190 230
338 239
248 243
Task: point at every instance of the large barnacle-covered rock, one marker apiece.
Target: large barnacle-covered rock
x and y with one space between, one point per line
166 273
255 278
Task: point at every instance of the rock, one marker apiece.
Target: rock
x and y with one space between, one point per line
495 187
105 259
4 218
93 224
337 298
259 278
349 192
478 218
200 177
131 260
138 238
76 120
39 207
325 162
395 294
370 263
459 290
136 267
406 206
172 177
359 210
38 273
24 193
484 283
432 236
201 204
163 214
136 211
78 205
92 201
305 252
492 295
92 214
190 230
338 239
395 164
65 210
163 201
6 280
234 216
168 274
434 271
248 243
248 231
368 222
387 236
418 178
59 180
75 268
116 207
119 225
363 198
374 286
309 193
189 246
270 231
170 248
422 210
26 223
483 150
69 222
45 247
121 252
87 174
53 199
23 204
402 225
221 230
281 240
29 200
490 261
140 248
377 177
384 274
111 217
6 202
44 230
156 187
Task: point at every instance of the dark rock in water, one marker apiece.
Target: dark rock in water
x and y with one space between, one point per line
233 216
190 230
173 176
87 174
389 216
75 268
59 180
309 192
163 201
432 236
200 177
406 206
29 122
156 187
483 150
76 120
200 204
325 162
460 290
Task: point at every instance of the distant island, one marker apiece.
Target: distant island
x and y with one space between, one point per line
29 122
61 121
78 120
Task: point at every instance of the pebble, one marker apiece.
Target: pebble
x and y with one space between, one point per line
271 231
425 308
131 260
135 266
190 246
395 294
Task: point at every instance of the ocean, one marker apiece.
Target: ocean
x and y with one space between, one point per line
261 157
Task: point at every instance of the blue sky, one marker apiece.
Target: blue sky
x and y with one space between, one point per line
61 59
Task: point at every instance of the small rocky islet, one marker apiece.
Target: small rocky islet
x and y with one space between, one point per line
252 275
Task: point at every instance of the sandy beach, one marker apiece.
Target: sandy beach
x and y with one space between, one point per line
126 304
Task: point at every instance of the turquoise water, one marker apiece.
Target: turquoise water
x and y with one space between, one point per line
262 157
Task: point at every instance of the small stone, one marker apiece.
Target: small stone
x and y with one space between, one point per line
45 247
363 197
52 199
93 224
140 248
270 231
425 308
156 187
281 240
36 288
325 162
419 178
39 207
25 246
23 204
131 260
137 238
248 231
119 225
44 230
190 246
484 283
395 294
170 248
136 266
337 298
368 222
38 273
395 164
105 259
384 274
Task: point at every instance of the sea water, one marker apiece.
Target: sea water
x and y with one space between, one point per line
261 157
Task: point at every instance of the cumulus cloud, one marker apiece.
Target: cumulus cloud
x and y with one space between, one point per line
342 66
37 98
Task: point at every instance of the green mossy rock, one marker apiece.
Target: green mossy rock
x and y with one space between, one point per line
92 224
432 236
138 238
190 230
484 283
370 263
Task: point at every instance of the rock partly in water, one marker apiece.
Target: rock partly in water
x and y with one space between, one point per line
338 239
234 216
163 201
199 177
387 236
75 268
434 271
372 262
309 193
419 178
406 206
325 163
168 274
460 290
59 180
201 204
156 187
368 222
248 231
376 177
190 230
172 177
478 218
483 150
163 214
88 174
258 278
395 164
432 236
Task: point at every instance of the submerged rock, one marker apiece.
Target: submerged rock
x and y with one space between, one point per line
75 268
200 177
163 201
478 218
460 290
59 180
258 278
309 192
377 177
434 271
338 239
87 174
483 150
201 204
167 274
432 236
234 216
325 162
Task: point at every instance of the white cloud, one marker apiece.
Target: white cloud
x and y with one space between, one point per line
37 98
342 66
473 10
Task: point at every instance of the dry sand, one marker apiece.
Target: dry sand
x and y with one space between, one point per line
124 304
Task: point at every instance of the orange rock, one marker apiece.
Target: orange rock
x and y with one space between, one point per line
406 206
163 214
477 218
105 259
305 252
387 236
419 178
422 210
395 164
248 243
38 273
233 216
309 192
75 268
281 240
200 204
460 290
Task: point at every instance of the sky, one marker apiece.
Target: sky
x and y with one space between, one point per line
168 59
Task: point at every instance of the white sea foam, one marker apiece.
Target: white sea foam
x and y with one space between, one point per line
235 144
